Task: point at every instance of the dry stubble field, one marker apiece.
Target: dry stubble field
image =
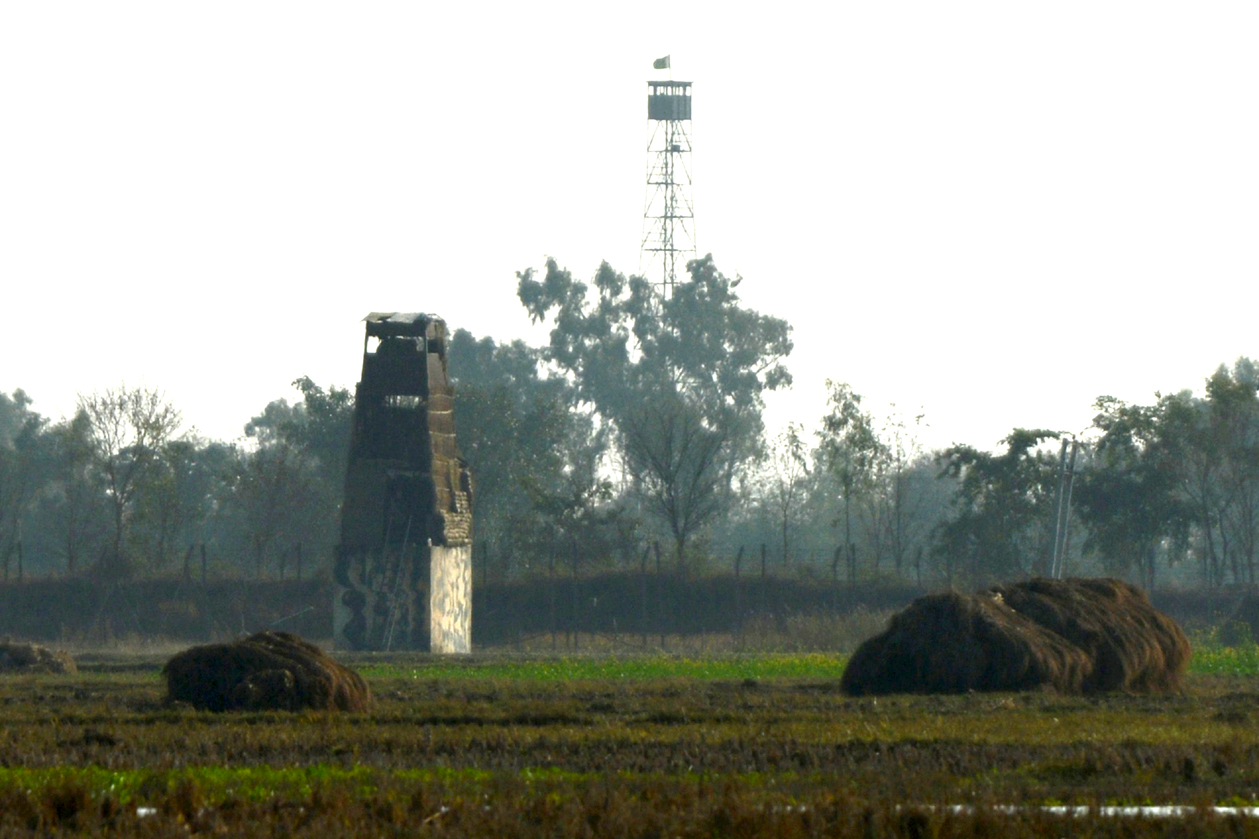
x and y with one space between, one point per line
595 746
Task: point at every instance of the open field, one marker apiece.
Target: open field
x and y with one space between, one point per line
642 746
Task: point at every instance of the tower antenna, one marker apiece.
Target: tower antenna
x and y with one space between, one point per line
669 211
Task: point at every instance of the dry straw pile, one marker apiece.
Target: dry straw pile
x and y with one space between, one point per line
269 670
1075 636
18 657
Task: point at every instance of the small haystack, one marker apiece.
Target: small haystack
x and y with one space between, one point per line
18 657
269 670
1075 636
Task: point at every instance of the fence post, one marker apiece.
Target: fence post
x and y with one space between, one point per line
203 564
852 574
643 585
835 577
659 595
551 587
574 558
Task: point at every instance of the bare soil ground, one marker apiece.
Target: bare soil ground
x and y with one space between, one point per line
493 751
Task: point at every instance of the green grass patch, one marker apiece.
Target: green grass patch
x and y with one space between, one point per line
246 783
797 666
1218 660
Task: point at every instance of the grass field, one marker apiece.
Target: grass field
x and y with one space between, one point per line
623 746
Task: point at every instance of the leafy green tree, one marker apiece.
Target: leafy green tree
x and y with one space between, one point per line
1177 477
678 380
1232 398
999 526
287 490
23 468
74 507
578 520
283 498
319 425
175 505
1129 495
519 432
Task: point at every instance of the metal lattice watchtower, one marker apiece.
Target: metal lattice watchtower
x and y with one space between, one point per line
669 213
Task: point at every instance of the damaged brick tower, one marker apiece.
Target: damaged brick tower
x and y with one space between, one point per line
404 566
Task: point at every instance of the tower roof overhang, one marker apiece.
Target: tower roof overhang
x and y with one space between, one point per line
386 324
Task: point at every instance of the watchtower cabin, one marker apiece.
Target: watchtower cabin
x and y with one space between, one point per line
668 100
403 567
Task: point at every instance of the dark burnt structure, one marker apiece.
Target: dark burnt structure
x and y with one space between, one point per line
403 568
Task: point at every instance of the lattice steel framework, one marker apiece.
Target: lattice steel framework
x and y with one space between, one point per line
669 211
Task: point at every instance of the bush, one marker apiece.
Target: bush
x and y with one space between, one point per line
1235 633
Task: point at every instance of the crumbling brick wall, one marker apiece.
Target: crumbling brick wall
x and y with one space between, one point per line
408 492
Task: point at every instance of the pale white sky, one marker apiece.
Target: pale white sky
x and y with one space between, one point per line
995 211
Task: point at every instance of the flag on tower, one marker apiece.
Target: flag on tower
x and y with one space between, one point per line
661 63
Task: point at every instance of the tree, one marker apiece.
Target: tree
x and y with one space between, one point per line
1179 475
1002 509
578 519
1232 399
850 448
75 505
325 433
1128 496
519 432
679 463
23 469
288 487
174 506
783 483
319 425
906 506
691 366
127 428
281 496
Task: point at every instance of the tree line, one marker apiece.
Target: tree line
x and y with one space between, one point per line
634 439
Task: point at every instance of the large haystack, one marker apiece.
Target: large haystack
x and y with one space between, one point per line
1132 645
952 643
1074 636
17 657
269 670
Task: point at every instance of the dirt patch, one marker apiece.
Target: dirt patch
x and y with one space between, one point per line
269 670
18 657
1074 636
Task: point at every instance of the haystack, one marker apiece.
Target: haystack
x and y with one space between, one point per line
1132 645
269 670
17 657
953 643
1074 636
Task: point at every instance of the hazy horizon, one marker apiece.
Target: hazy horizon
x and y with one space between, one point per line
988 213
